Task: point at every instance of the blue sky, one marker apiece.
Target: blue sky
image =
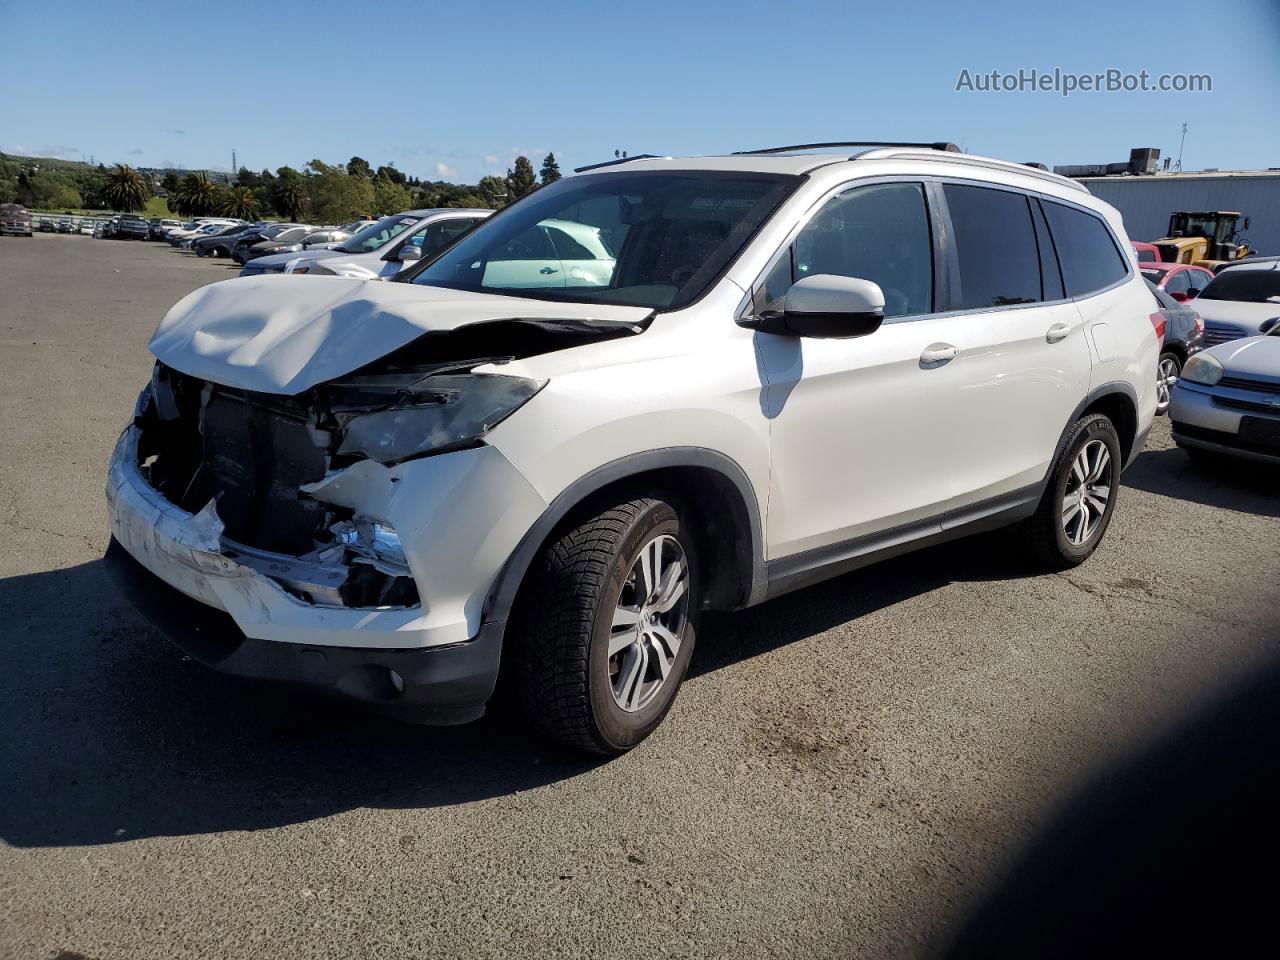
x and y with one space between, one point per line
456 90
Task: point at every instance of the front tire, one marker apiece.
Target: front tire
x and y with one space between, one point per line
604 628
1079 501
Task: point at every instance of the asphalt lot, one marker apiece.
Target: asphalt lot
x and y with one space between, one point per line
845 771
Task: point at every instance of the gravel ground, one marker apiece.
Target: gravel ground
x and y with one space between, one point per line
845 771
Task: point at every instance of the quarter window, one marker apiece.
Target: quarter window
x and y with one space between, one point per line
1179 282
1088 253
995 244
879 233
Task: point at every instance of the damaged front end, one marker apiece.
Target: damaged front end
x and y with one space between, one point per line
264 474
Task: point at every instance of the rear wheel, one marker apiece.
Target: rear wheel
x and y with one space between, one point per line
1167 373
605 627
1080 498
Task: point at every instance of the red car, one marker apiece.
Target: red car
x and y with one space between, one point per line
1147 252
1181 281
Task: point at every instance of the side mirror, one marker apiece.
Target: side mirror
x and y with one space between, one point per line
409 252
826 306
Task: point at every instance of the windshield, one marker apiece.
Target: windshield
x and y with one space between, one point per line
1249 286
378 234
289 236
653 239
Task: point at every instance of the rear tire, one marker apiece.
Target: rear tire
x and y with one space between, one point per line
604 627
1080 499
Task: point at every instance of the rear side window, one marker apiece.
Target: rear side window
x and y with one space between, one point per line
995 246
1088 253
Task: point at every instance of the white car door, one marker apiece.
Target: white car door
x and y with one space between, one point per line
528 261
857 425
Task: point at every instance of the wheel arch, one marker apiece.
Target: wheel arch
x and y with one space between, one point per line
710 489
1118 401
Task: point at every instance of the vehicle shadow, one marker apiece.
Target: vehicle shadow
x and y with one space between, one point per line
1232 484
111 734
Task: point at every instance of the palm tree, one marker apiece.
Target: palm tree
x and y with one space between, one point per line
126 189
290 197
196 197
241 204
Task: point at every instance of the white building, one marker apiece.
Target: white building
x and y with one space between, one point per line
1146 201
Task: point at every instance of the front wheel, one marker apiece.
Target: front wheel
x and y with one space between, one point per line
1167 373
604 628
1080 498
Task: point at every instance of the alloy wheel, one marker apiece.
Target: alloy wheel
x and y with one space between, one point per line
648 623
1166 377
1088 492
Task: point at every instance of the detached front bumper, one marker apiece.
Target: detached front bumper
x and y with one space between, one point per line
462 514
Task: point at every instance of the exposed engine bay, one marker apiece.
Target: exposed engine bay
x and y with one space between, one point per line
254 465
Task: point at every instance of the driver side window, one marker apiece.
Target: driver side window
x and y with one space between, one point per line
879 232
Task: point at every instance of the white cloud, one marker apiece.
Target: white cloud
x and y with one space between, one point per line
444 171
491 159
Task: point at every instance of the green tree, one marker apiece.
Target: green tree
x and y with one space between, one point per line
170 182
47 190
126 189
389 197
359 167
241 203
466 199
246 178
520 181
197 196
337 196
389 172
550 172
493 190
289 193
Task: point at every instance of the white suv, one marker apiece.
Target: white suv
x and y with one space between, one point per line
773 368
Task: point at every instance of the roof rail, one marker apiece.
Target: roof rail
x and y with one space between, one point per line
937 145
965 159
610 163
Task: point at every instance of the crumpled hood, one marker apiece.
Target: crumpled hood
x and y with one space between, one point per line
284 334
1254 357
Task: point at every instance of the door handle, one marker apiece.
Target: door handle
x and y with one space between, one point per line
1057 332
936 354
548 270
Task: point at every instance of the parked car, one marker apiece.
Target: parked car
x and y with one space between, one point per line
100 228
1242 301
66 226
219 242
793 366
211 229
1179 280
1182 330
240 252
196 228
87 227
1146 252
159 226
375 236
15 220
286 241
130 226
1227 404
383 249
48 226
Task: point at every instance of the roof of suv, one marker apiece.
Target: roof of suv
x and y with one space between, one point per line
804 163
